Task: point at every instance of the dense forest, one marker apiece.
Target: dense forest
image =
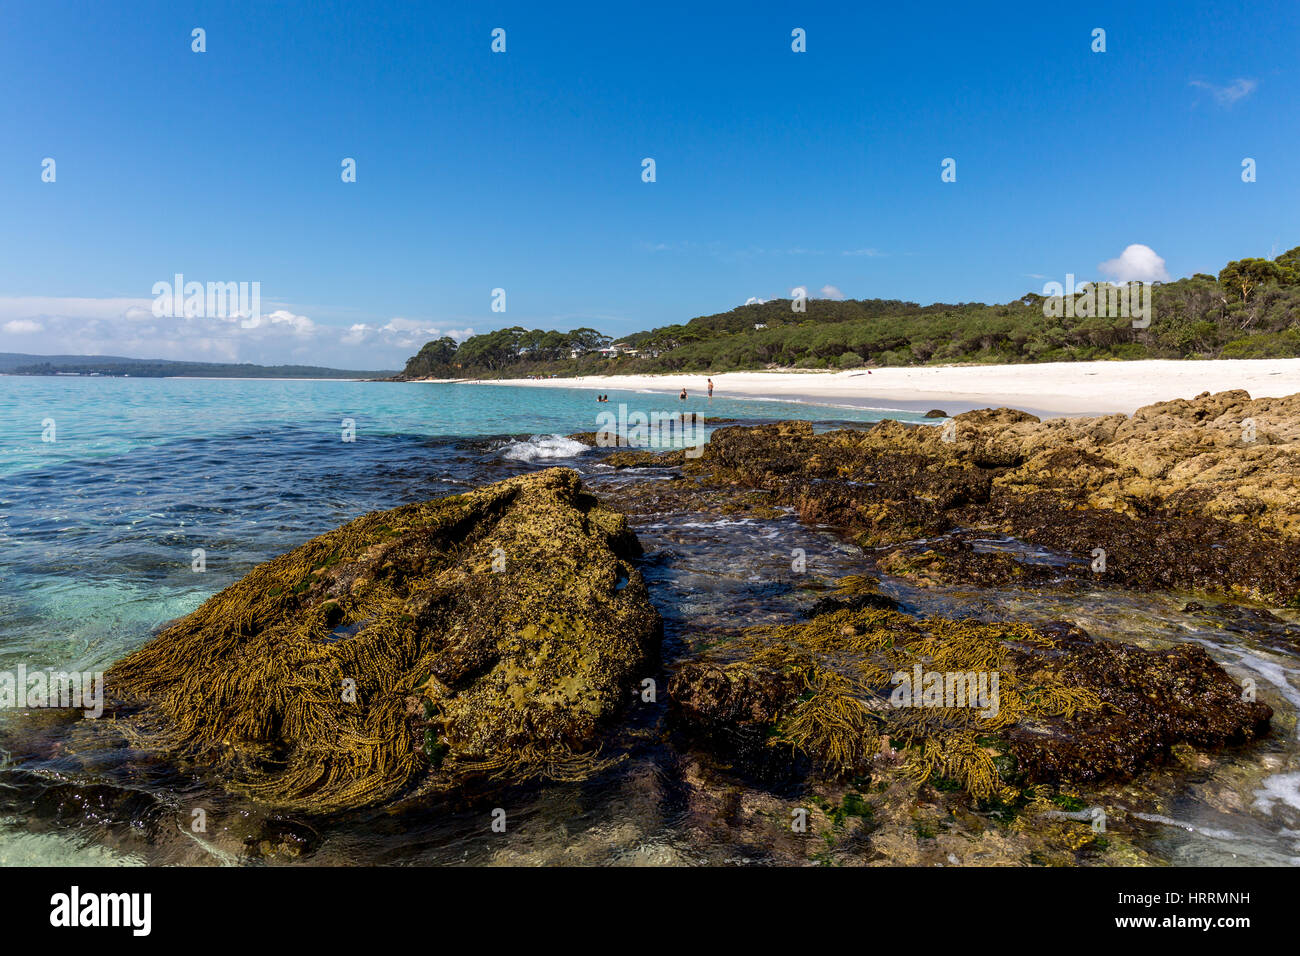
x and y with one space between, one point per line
1250 310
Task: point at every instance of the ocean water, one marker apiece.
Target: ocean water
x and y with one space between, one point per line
108 485
99 526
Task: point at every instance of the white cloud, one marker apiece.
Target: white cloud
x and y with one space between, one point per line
34 306
831 292
1137 263
754 300
407 333
280 319
1238 89
121 326
862 252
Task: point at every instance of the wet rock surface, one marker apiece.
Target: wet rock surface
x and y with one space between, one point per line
1151 701
807 707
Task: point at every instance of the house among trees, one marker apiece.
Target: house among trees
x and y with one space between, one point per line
619 348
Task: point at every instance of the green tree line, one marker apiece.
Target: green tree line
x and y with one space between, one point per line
1251 309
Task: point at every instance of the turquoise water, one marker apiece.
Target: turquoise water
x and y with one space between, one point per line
98 527
107 417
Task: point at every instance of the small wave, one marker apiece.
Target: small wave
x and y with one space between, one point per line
543 446
1281 788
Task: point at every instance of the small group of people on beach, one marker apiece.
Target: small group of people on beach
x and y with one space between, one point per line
682 396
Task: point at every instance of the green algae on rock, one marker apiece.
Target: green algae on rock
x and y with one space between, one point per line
492 633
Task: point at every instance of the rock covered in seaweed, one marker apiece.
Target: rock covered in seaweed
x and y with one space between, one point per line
1151 702
1201 494
490 633
991 707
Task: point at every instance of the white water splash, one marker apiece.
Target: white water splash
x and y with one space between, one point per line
543 446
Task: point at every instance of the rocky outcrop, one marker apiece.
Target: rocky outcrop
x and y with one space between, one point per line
1151 702
645 459
989 707
1201 494
490 634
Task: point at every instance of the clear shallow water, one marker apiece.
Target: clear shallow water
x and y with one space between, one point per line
98 527
97 530
112 417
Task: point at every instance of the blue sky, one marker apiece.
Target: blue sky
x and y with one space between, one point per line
522 170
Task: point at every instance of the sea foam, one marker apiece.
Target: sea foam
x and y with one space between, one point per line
543 446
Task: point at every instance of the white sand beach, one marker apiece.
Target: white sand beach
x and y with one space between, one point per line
1052 389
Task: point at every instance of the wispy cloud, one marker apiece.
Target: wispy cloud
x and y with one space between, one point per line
862 252
1227 95
121 326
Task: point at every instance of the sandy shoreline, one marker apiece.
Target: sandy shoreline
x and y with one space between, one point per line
1051 389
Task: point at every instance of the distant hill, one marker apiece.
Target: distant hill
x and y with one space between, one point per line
17 363
1251 309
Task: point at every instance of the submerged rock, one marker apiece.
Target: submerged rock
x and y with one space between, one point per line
645 459
493 633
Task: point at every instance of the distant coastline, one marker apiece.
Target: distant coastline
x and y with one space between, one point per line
116 366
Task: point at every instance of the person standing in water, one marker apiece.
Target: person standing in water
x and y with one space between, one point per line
682 396
710 389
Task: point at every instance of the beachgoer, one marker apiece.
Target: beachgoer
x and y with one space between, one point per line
710 389
682 396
